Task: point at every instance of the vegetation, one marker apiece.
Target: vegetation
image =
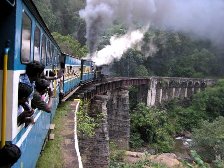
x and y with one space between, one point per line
69 45
164 53
63 19
52 155
152 126
202 115
85 123
209 139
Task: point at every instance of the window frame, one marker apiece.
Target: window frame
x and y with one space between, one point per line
26 13
40 42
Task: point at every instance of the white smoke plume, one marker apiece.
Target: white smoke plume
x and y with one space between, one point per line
199 18
118 45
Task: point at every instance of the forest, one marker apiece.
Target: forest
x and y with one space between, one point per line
160 53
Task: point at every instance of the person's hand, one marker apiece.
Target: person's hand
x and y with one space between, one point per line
28 121
50 92
60 73
27 113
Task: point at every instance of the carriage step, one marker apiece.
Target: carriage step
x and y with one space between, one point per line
51 137
52 126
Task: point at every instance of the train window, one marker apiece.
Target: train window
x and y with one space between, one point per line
55 57
37 44
26 35
48 52
43 50
52 54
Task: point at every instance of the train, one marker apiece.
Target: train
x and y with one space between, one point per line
25 38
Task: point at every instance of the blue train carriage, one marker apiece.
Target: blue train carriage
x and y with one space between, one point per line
30 40
72 71
87 71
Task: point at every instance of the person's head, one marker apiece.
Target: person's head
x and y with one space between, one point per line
34 70
9 155
42 85
51 73
24 93
62 65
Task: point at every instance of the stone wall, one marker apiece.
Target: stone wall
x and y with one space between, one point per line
95 150
119 118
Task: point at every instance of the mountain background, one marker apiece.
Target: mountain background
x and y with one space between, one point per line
160 53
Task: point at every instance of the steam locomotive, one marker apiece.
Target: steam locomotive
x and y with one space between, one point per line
24 38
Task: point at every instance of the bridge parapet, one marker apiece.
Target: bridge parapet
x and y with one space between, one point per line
163 89
153 90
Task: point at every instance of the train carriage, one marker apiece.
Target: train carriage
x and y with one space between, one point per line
72 73
24 37
87 71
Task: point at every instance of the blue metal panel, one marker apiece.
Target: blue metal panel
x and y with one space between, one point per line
71 60
70 84
32 145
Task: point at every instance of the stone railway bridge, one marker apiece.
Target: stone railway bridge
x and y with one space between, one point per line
110 98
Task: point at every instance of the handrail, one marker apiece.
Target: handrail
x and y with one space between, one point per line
4 95
55 83
12 2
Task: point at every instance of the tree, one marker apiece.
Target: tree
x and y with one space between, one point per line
209 139
69 45
45 9
131 64
141 71
153 127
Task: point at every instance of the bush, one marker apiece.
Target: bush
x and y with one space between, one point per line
153 127
135 140
85 124
209 139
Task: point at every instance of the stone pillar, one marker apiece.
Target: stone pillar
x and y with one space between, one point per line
196 87
170 93
95 149
159 94
165 94
183 91
151 98
190 89
119 118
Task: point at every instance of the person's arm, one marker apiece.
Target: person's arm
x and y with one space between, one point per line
50 101
37 102
22 117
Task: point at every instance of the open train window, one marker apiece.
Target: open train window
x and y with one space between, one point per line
48 52
56 57
26 38
43 50
36 50
52 54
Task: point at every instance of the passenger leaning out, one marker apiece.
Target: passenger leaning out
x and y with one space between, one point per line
34 70
41 92
25 112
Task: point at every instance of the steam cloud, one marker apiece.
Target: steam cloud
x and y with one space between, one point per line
118 45
199 18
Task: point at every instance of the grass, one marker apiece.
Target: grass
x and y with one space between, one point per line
51 157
